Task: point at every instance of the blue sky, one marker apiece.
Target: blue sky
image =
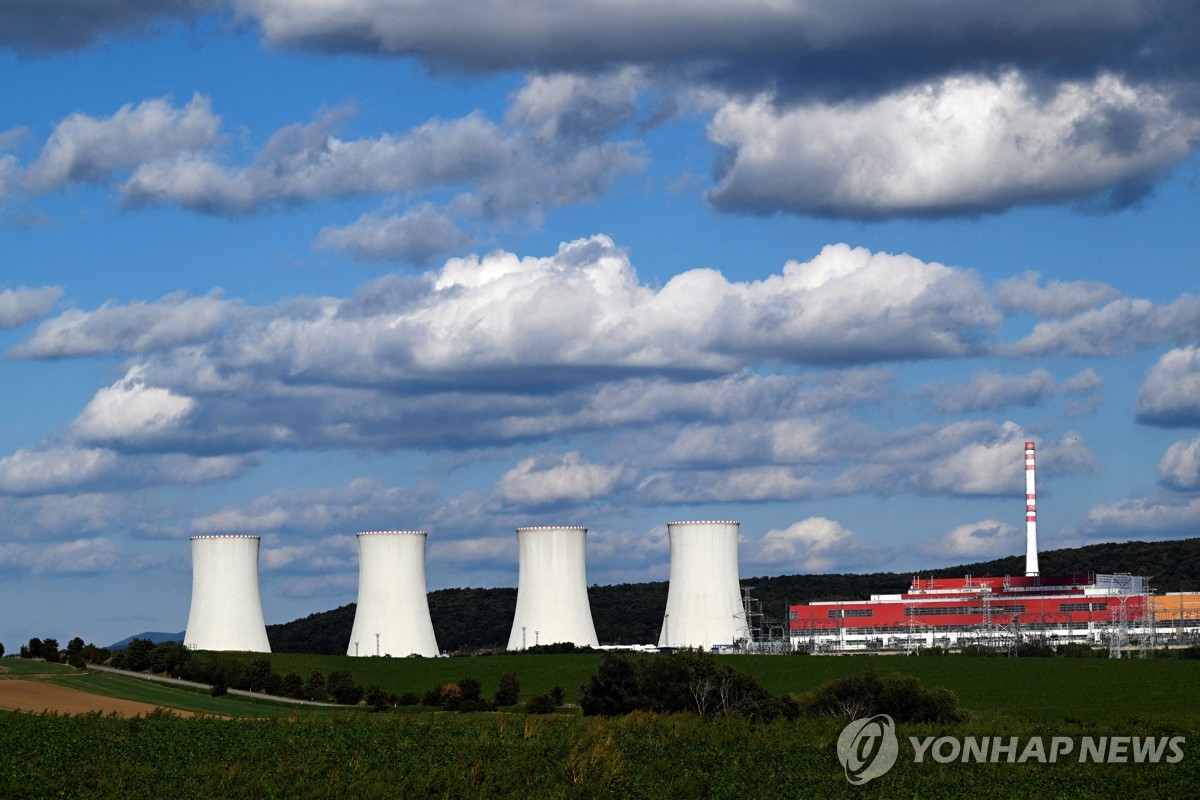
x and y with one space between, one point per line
301 269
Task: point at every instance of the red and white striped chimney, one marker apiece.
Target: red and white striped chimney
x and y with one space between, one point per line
1031 551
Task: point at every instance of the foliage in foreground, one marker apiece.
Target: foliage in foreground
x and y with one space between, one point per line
519 756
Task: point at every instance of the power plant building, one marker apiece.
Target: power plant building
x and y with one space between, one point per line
552 600
392 616
226 611
704 605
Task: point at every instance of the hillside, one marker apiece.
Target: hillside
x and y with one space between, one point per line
468 619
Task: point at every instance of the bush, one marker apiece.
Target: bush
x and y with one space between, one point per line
470 690
509 691
291 685
379 699
408 699
343 689
682 681
1035 650
314 687
900 696
542 704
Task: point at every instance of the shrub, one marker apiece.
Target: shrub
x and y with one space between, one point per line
314 687
470 690
1079 650
408 699
542 704
509 691
343 689
379 699
902 697
291 685
1035 650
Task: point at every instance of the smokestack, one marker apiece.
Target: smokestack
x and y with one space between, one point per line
1031 549
226 611
552 600
704 606
392 616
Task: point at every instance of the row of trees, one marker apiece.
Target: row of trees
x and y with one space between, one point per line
77 653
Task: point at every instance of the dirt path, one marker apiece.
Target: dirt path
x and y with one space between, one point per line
19 695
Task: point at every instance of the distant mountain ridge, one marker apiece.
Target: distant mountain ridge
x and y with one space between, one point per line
154 636
469 619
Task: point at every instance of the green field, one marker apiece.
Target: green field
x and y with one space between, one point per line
27 668
1021 688
519 756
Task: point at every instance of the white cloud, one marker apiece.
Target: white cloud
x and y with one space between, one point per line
1053 300
415 236
977 540
961 144
1113 329
136 327
360 505
75 557
816 544
1180 466
23 304
83 148
130 412
993 390
1143 517
1170 394
509 171
552 479
45 471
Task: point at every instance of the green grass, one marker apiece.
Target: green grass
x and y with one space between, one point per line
26 668
181 697
1043 689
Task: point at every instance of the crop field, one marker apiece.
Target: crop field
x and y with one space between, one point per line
520 756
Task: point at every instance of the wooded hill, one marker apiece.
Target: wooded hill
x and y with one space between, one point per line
629 613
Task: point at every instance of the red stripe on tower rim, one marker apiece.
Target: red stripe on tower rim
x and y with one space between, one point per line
1029 445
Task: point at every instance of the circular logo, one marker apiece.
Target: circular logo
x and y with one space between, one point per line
867 748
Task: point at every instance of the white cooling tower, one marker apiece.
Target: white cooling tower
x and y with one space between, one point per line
392 618
226 610
704 606
552 600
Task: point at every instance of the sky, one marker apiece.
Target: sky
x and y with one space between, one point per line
303 268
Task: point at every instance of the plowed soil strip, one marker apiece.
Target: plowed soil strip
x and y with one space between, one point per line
18 695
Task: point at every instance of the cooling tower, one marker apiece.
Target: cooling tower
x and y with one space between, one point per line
392 618
704 607
226 610
1031 548
552 601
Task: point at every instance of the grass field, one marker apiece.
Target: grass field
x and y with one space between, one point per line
1023 688
28 668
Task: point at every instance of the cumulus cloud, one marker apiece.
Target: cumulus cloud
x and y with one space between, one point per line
1158 516
40 25
362 504
571 106
740 42
75 557
71 468
555 479
83 148
137 327
23 304
961 145
415 236
130 412
1170 394
992 390
816 544
509 171
977 540
1053 300
1113 329
1180 466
